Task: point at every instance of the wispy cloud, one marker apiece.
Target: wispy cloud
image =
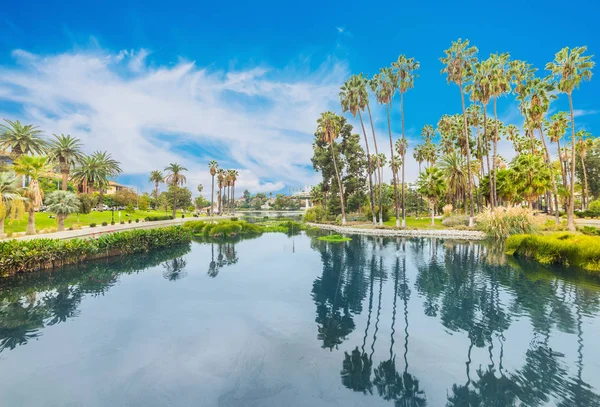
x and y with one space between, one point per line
259 120
584 112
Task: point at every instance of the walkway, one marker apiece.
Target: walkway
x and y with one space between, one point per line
88 231
442 233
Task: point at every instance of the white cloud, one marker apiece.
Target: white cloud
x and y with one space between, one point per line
258 120
584 112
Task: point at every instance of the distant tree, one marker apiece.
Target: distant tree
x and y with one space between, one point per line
65 151
201 202
124 197
184 197
144 202
62 203
175 178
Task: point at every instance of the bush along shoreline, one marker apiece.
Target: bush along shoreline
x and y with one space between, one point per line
564 249
20 256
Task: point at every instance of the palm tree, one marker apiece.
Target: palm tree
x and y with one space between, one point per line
62 203
373 85
556 129
66 152
455 169
570 67
406 74
157 177
531 176
233 174
328 129
213 166
175 177
354 98
107 168
384 86
9 198
32 167
459 61
431 185
21 139
584 143
220 181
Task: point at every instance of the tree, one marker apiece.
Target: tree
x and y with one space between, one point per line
143 202
95 171
175 177
328 128
406 74
233 174
65 151
213 166
431 186
458 63
125 197
354 98
221 175
157 177
21 139
531 176
570 67
556 129
584 144
200 202
247 197
11 202
32 167
62 203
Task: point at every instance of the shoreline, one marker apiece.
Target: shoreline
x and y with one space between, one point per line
441 233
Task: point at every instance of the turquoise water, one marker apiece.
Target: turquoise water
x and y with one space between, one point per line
293 321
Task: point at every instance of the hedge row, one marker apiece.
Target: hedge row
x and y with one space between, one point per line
18 256
155 218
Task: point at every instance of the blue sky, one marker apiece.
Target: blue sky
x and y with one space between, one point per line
243 82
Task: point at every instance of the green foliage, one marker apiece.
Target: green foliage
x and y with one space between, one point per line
566 249
86 203
335 238
387 212
92 225
231 228
62 203
590 231
314 214
157 218
500 222
18 256
104 223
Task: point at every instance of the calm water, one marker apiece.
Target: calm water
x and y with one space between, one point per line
292 321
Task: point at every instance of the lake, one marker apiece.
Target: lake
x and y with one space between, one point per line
293 321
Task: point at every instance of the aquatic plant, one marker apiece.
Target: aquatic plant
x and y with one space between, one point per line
501 222
335 238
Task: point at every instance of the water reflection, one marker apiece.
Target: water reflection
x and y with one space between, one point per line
470 291
30 302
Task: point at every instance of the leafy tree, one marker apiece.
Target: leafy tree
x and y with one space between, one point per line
124 197
62 203
184 197
144 202
201 202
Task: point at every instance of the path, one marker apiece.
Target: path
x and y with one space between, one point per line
88 231
443 233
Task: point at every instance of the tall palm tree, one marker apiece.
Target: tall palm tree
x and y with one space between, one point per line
354 98
372 84
406 74
570 67
175 177
454 167
9 198
21 139
458 63
584 143
556 129
384 86
431 185
213 166
62 203
65 151
233 174
328 129
32 167
220 180
157 177
108 167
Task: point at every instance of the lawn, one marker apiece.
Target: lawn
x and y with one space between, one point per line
421 223
44 222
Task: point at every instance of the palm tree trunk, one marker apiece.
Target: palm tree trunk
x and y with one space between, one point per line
379 170
562 168
61 222
496 136
369 168
387 108
155 195
432 213
212 197
469 184
554 188
65 178
233 198
337 174
403 160
487 156
571 210
174 200
219 201
2 227
31 222
585 184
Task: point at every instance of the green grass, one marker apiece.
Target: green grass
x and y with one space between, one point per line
335 238
421 223
43 221
565 249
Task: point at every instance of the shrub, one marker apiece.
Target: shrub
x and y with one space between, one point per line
456 220
104 224
122 222
314 214
92 225
501 222
130 221
566 249
447 211
137 220
129 208
590 230
112 223
366 212
157 218
234 218
30 255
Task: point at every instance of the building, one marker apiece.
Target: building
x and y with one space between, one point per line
114 187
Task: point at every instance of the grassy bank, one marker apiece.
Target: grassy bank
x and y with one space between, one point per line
421 223
566 249
231 228
17 256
